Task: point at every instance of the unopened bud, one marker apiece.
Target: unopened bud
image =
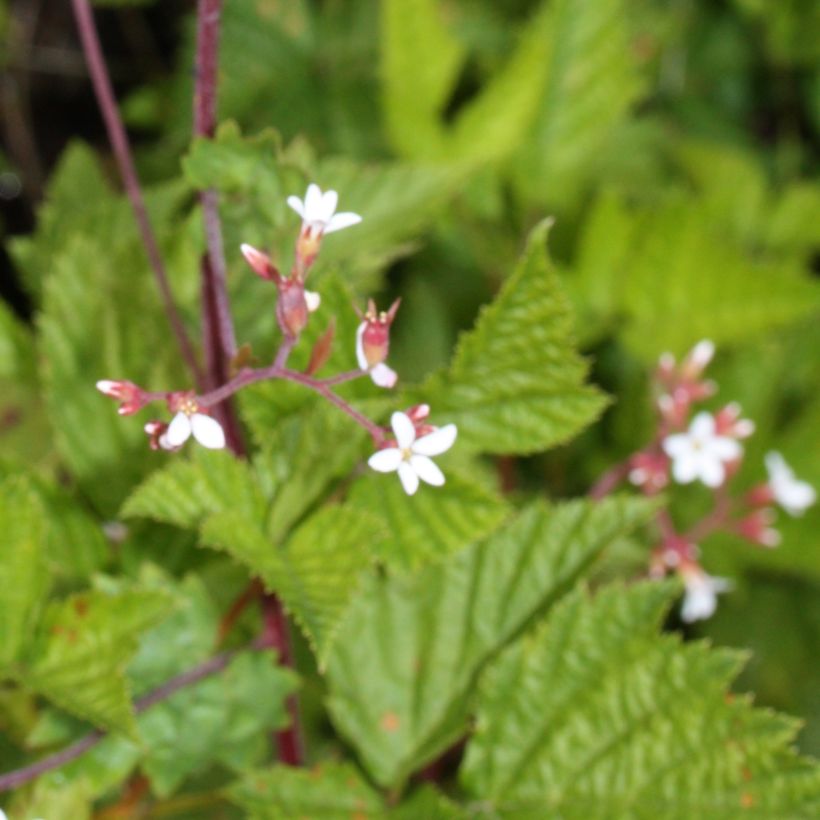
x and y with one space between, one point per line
373 335
130 396
260 263
756 527
291 308
698 359
729 423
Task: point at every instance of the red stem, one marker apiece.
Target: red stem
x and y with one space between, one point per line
205 91
609 480
122 152
16 778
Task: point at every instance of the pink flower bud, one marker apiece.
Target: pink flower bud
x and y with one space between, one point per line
729 423
155 430
292 308
373 335
130 396
260 263
756 527
649 471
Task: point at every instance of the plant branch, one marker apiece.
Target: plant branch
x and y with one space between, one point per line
609 480
205 91
16 778
122 152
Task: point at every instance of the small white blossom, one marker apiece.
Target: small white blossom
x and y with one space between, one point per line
318 211
411 457
205 429
700 599
793 495
700 453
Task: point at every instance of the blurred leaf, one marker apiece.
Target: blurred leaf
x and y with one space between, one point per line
23 576
406 656
78 660
516 385
332 791
420 61
595 715
431 525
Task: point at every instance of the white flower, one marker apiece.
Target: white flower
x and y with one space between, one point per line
700 600
318 211
206 430
701 453
411 458
793 495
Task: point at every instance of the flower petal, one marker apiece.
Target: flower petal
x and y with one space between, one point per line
297 205
776 467
437 442
208 431
384 376
711 470
703 425
677 445
313 203
725 448
329 201
797 497
403 429
409 479
427 470
685 468
312 300
178 430
360 357
346 219
387 460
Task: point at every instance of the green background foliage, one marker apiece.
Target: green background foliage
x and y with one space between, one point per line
559 191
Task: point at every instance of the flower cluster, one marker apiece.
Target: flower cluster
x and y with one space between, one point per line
698 446
414 441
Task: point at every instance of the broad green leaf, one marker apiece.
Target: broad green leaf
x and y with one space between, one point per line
316 572
595 715
430 525
187 491
591 81
516 384
420 61
84 644
23 576
332 791
406 656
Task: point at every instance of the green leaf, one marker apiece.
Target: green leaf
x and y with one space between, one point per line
420 61
316 572
23 577
516 385
332 791
85 642
590 82
186 492
595 715
407 654
428 526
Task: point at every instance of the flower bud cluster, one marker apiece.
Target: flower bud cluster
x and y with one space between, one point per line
414 441
698 446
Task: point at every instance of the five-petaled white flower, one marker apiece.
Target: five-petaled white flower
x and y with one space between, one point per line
700 600
793 495
189 420
318 212
411 457
701 452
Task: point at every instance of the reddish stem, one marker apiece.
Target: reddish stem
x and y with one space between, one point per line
609 480
16 778
276 632
122 152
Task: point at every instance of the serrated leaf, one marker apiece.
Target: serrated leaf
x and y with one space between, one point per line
595 715
23 576
428 526
187 491
78 660
516 385
405 659
332 791
316 572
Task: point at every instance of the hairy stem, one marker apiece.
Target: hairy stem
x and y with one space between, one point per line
16 778
122 152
